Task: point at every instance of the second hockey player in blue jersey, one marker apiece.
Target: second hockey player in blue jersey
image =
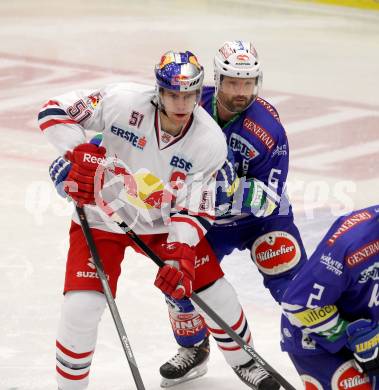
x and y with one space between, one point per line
258 216
331 329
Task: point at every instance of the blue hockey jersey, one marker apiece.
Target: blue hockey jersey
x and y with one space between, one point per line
339 284
260 151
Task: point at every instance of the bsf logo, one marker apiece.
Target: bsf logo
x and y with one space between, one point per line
276 252
180 163
348 377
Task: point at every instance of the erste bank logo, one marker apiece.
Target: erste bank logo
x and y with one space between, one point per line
135 140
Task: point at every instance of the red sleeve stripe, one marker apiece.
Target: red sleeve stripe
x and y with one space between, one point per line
191 222
71 377
202 222
51 103
71 353
205 215
53 122
234 348
234 327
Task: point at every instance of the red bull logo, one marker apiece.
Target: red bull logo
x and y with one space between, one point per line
180 79
93 100
143 189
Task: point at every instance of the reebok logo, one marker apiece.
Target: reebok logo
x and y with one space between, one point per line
92 159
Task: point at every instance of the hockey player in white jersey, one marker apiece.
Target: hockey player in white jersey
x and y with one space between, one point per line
157 161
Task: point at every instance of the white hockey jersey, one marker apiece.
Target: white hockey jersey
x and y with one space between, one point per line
157 183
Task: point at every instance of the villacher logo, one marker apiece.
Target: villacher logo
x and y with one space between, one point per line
276 252
348 377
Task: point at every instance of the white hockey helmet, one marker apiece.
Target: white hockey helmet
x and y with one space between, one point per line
237 59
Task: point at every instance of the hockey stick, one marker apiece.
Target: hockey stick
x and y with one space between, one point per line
111 302
212 314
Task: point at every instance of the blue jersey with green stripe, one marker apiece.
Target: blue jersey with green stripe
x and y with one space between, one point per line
259 145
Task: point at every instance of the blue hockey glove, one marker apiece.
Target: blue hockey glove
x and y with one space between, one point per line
227 183
363 340
59 169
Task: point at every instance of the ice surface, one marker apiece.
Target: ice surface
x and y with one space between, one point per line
320 70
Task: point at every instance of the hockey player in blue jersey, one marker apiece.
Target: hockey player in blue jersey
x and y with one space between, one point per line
254 213
330 328
259 216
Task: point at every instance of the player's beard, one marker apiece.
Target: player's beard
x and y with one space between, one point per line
235 104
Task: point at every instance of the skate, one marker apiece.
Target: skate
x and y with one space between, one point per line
187 364
256 377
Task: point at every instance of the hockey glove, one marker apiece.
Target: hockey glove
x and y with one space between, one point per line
363 340
227 183
59 169
85 159
177 276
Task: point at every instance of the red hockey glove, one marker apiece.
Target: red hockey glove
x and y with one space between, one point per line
85 159
177 276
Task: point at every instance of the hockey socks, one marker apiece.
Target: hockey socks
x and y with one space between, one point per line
76 339
222 298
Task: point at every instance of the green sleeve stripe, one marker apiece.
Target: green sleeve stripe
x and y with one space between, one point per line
249 198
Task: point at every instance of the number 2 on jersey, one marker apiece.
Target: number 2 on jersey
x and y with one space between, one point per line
315 297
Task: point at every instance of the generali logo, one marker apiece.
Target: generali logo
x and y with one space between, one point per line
363 253
263 135
348 224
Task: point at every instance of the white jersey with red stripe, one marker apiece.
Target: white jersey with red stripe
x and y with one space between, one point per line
157 183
